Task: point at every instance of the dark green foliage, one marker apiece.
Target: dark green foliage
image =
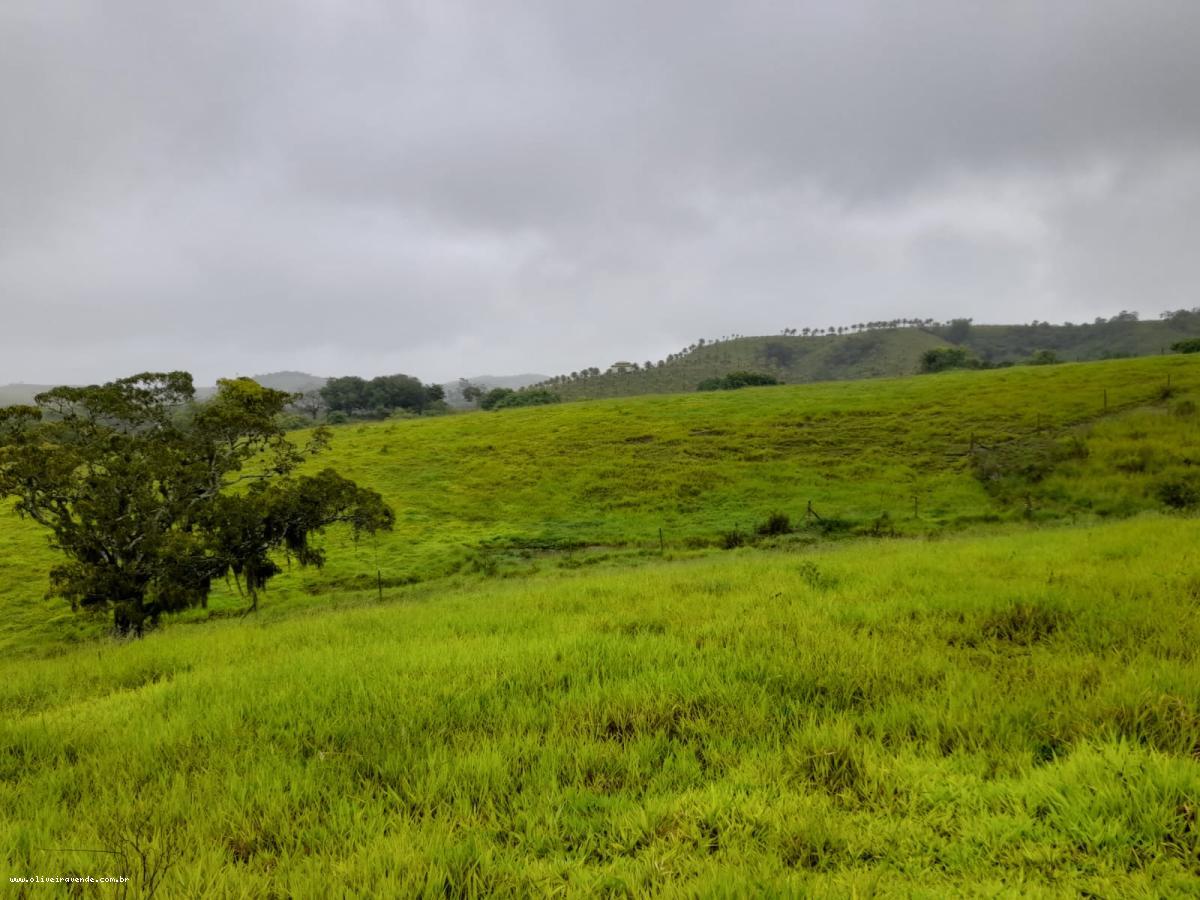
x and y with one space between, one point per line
136 485
735 380
494 396
1191 346
346 395
942 359
510 399
776 523
1178 493
731 540
353 396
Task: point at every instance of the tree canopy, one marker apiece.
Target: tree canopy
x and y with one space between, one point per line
940 359
358 397
151 496
507 398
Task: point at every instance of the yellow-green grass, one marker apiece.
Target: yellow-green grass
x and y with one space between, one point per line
1129 458
1005 715
488 493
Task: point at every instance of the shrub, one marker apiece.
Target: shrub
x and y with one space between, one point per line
735 380
732 539
942 359
1188 346
777 523
1178 494
494 396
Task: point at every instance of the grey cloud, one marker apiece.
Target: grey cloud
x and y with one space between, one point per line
448 187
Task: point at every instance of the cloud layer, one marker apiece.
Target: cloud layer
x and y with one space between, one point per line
446 188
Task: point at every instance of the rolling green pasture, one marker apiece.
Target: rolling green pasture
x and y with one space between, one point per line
1007 715
510 492
521 692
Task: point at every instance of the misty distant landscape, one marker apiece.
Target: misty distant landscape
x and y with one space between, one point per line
828 525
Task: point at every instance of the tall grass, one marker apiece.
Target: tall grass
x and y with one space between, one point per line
976 715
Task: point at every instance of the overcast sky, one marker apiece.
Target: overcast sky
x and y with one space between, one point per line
449 189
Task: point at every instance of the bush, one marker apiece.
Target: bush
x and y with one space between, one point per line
1178 494
735 380
945 358
494 396
732 539
1189 346
777 523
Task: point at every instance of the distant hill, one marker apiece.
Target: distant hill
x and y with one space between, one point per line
883 351
1120 336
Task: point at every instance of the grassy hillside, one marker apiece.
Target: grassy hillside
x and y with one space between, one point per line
521 691
1101 340
880 353
792 359
1000 716
506 493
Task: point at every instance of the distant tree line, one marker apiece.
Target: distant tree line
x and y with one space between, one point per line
941 359
379 397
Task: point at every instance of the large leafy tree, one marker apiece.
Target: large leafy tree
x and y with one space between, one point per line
151 496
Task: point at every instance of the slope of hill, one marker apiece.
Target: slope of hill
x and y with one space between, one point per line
792 359
507 492
878 352
1104 339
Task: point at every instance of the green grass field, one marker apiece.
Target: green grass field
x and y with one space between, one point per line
1003 700
1005 715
